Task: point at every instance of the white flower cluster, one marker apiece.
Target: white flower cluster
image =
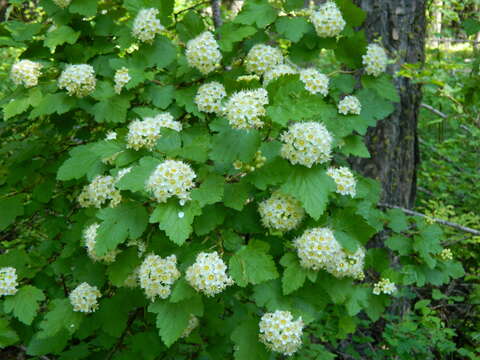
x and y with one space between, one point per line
208 274
62 3
245 108
318 249
111 135
203 53
157 275
281 212
262 58
375 60
146 132
350 105
8 281
315 82
78 80
121 79
90 236
328 20
306 143
209 97
132 280
248 78
193 323
99 191
280 333
84 298
446 254
343 177
384 286
276 72
171 178
146 25
25 72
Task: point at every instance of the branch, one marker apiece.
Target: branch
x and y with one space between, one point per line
216 13
131 319
435 111
440 221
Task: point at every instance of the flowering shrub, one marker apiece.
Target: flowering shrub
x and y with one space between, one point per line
161 203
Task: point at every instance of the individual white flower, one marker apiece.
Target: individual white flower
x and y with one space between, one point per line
111 135
208 274
276 72
90 236
245 108
84 298
146 132
25 72
280 333
203 53
157 275
315 82
344 179
306 143
375 60
171 178
78 80
281 212
209 97
384 286
262 58
446 254
328 20
193 323
146 25
350 105
121 79
318 249
8 281
99 191
62 3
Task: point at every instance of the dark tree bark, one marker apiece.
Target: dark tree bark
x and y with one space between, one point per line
401 25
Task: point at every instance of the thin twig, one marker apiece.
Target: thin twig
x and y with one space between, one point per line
435 111
440 221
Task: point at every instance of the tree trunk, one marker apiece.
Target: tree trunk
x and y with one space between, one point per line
393 143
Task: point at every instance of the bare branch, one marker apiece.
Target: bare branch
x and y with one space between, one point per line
439 221
216 13
435 111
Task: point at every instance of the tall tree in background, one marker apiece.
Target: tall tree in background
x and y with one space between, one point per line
393 144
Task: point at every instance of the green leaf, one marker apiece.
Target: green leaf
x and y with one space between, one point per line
230 145
10 208
60 317
127 220
293 4
22 31
7 335
257 12
112 110
245 338
471 26
236 195
15 107
24 304
52 345
162 96
190 26
81 159
160 54
210 191
345 83
176 220
211 217
231 33
398 221
382 85
400 243
137 177
353 15
294 275
373 108
350 49
58 103
346 220
252 264
292 28
61 35
311 187
355 146
426 247
181 291
83 7
125 264
172 318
